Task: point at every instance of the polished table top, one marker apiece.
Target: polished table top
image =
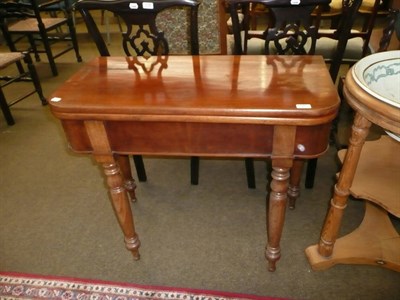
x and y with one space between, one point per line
230 106
239 88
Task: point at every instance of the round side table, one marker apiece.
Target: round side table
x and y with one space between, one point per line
371 171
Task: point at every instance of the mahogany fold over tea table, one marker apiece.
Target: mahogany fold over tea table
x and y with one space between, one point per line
278 107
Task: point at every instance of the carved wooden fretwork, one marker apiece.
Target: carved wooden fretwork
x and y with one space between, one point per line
292 39
292 32
144 40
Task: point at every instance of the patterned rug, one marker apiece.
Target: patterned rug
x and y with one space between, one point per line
29 286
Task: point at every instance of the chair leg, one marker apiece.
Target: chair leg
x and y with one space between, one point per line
9 41
251 180
20 67
194 170
35 78
49 54
310 174
74 39
139 165
47 48
6 109
33 47
195 167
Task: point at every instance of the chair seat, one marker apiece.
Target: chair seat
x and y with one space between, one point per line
22 21
255 46
7 59
336 5
327 47
31 24
23 75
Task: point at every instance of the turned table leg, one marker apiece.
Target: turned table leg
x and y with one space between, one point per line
121 206
276 213
333 220
294 182
282 161
115 167
124 164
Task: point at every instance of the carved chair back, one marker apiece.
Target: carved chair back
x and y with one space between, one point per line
142 37
292 31
343 34
392 26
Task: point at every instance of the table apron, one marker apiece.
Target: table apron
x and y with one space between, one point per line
197 139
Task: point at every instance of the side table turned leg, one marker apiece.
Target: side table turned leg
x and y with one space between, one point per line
375 242
333 219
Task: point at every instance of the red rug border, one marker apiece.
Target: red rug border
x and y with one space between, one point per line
140 286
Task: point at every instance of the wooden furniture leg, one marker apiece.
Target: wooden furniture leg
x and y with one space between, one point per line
194 170
294 183
310 174
140 169
121 206
115 182
129 182
332 223
6 109
251 180
282 162
374 242
276 213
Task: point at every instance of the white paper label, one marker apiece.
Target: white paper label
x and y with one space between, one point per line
295 2
55 99
303 106
133 6
148 5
